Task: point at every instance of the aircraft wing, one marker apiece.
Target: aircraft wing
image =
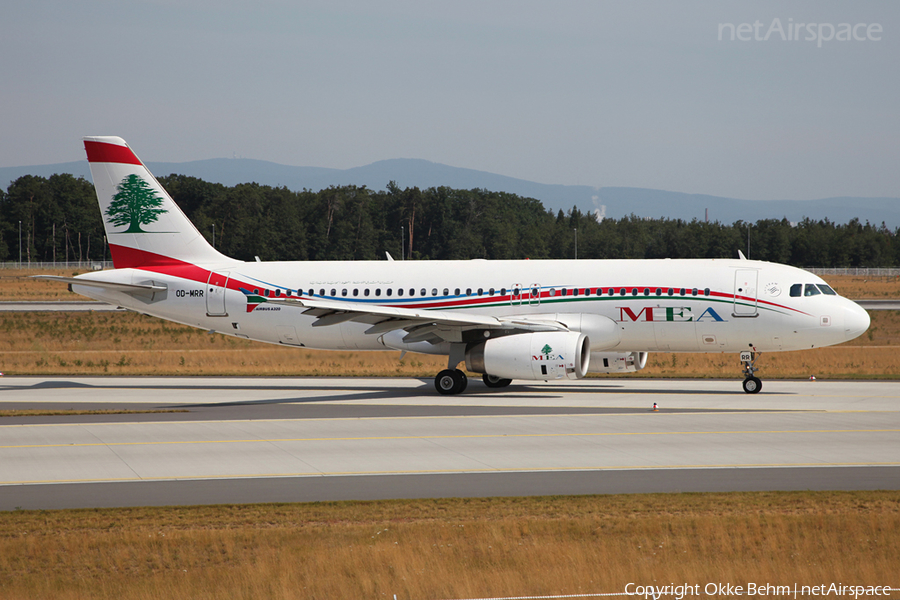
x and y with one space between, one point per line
421 325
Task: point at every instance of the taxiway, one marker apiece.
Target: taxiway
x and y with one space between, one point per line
233 440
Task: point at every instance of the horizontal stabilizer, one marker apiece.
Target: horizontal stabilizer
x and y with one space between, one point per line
128 288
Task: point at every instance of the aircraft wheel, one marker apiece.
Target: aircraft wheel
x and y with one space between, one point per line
752 385
492 381
462 379
447 382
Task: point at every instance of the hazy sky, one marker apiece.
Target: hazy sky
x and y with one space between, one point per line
596 93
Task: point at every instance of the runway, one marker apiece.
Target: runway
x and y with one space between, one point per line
237 440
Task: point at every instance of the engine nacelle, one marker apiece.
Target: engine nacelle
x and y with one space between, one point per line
617 362
540 355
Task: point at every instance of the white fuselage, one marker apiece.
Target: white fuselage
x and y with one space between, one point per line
719 305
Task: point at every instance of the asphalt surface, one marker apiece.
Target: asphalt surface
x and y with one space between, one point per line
236 440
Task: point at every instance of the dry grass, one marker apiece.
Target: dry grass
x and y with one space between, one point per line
870 288
451 548
131 344
16 285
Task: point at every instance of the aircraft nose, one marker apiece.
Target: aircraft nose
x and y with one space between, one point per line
856 321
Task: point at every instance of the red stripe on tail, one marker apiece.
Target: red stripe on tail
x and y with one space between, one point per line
100 152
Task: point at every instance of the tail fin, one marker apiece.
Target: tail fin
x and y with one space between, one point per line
144 226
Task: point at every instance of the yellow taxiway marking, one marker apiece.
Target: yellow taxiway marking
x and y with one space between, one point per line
451 472
443 437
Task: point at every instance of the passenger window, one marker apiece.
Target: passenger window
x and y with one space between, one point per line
796 290
491 292
575 292
422 292
456 292
682 292
377 291
412 292
355 292
622 292
646 291
366 292
446 292
599 291
399 291
634 291
811 290
826 289
562 292
706 292
612 291
502 291
468 291
256 291
671 291
694 292
658 292
480 291
434 291
552 292
333 292
312 292
389 291
344 292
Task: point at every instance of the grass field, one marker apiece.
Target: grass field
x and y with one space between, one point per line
452 548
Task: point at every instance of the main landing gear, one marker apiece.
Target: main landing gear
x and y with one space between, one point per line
454 381
752 383
451 381
492 381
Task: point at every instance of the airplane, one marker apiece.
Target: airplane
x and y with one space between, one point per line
505 319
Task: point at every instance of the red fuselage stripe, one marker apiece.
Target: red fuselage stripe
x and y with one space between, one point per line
124 257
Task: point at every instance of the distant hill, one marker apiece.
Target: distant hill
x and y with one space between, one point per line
614 202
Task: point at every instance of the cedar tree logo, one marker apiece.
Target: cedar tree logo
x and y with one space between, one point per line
546 350
135 204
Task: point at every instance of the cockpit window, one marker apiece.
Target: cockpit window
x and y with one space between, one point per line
826 289
811 290
796 290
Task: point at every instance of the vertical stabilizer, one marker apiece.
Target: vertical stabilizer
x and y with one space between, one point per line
143 224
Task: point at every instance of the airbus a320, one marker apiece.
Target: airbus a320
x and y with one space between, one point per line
506 320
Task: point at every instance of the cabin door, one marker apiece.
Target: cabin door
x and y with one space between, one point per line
215 294
745 298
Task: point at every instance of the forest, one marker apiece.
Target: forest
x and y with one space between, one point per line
60 220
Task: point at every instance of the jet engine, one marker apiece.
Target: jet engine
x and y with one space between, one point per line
617 362
539 355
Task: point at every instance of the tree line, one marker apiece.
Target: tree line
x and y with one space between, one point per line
60 220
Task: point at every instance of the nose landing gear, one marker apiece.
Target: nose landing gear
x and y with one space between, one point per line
752 384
